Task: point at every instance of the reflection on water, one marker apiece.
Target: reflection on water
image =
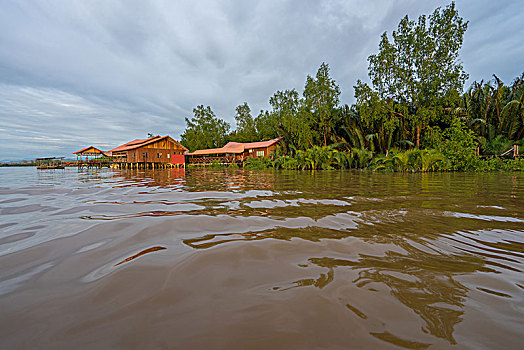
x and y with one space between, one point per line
240 259
145 251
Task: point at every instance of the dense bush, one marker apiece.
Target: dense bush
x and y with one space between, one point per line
457 155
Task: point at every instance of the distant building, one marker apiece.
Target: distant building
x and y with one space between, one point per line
234 152
157 151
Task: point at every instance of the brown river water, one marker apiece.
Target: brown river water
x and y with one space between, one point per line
232 259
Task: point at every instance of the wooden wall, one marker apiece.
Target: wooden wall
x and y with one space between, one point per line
267 151
161 151
157 152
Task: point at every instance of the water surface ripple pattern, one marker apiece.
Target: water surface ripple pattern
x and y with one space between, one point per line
233 259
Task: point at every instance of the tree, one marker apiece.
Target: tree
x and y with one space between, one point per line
459 146
289 120
419 69
382 117
494 110
512 115
204 130
265 125
350 131
246 129
321 98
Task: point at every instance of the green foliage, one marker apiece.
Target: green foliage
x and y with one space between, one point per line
215 164
415 99
433 138
258 163
496 146
246 128
286 162
513 164
499 164
321 98
315 158
289 120
204 130
459 147
492 109
361 157
350 131
416 75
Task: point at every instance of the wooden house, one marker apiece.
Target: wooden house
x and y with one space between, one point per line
91 157
234 152
154 152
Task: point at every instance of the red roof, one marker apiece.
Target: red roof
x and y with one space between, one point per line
261 144
142 142
85 149
127 146
235 147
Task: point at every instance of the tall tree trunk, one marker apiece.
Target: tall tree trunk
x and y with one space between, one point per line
418 136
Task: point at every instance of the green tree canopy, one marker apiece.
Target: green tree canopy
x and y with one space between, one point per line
265 125
417 74
289 119
204 130
321 98
246 129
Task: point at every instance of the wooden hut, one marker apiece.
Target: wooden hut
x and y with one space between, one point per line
234 152
154 152
92 157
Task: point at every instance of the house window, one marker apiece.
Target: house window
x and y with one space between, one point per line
144 154
260 153
168 156
159 155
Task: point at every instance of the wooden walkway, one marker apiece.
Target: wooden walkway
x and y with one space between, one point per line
146 165
513 152
93 163
206 161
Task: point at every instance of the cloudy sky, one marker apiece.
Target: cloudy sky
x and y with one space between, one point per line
102 72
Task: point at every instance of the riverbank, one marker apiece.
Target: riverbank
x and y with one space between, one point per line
410 161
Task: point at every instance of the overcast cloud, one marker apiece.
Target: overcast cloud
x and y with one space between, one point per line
80 73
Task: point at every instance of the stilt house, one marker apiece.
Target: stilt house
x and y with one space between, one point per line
92 157
234 152
157 151
90 153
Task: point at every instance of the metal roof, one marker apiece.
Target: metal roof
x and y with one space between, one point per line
85 149
142 142
235 147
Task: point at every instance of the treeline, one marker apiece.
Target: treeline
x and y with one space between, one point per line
19 163
415 101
